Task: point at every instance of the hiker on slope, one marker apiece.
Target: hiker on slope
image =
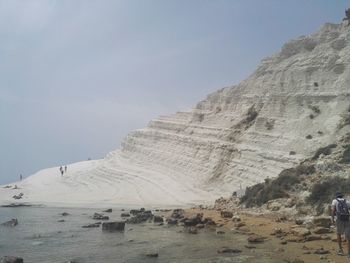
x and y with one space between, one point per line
340 209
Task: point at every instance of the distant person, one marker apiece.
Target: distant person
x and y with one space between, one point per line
20 177
340 209
65 169
61 170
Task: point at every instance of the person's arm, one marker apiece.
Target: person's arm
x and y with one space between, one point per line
333 210
333 213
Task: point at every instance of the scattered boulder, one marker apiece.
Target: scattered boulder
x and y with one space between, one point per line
19 196
229 250
208 221
109 210
226 214
299 221
220 232
8 259
239 224
172 221
290 202
158 219
321 251
195 220
64 214
92 225
192 230
313 238
274 205
322 221
98 216
347 14
256 239
249 246
321 230
12 223
113 226
178 213
125 215
300 231
140 216
236 218
152 255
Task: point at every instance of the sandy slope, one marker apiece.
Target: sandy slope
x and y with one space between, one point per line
113 181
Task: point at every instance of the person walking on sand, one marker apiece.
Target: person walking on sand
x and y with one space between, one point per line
340 209
61 170
20 177
65 169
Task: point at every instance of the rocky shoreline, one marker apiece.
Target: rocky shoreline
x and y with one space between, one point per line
291 238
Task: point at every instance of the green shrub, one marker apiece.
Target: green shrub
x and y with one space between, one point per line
271 189
346 155
315 109
344 121
251 115
324 150
324 191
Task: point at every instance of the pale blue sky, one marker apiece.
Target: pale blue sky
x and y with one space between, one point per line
76 76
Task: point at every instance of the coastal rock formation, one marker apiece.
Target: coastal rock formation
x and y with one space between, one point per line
294 103
8 259
12 223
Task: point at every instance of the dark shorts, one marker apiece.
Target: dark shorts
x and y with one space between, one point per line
343 227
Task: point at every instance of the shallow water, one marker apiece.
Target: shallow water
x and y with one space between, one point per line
39 237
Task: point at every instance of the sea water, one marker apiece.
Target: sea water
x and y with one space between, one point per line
39 237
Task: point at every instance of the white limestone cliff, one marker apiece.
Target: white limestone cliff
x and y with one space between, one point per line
294 103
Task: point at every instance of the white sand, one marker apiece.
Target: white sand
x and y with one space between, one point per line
112 181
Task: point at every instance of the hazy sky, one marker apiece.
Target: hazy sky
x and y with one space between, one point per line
76 76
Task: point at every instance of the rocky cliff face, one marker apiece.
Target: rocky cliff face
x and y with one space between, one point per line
294 103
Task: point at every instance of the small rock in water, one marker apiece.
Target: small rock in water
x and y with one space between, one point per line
8 259
125 215
64 214
109 210
152 255
12 223
192 230
60 221
92 225
228 250
172 221
113 226
98 216
158 219
177 213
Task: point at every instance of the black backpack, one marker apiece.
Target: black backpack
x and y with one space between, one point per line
342 210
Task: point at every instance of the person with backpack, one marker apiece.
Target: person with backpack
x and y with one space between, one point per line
340 209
